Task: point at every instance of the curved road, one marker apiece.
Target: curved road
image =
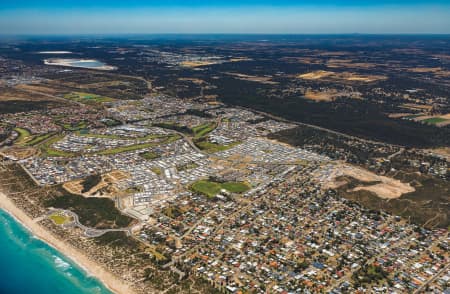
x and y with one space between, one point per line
88 232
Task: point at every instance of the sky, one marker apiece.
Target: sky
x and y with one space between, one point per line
26 17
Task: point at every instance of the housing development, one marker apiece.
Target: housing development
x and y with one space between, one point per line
178 194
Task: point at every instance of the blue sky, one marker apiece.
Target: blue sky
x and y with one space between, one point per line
214 16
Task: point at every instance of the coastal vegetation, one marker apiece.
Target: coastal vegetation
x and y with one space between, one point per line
93 212
90 182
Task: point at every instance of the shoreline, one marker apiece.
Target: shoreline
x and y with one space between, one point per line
111 282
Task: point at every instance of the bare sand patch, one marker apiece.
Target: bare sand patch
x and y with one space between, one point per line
443 151
341 76
383 187
316 75
320 95
18 153
258 79
108 180
198 63
348 63
424 69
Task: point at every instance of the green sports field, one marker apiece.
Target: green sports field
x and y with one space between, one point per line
211 189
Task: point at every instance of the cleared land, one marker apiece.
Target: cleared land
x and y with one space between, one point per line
341 76
383 187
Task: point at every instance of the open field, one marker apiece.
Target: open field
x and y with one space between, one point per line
199 63
434 120
316 75
87 98
13 100
18 94
211 189
349 63
341 76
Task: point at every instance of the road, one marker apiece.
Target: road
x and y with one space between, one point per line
421 288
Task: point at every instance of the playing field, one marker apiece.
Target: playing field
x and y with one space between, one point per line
211 189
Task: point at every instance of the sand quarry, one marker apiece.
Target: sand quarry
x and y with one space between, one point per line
387 188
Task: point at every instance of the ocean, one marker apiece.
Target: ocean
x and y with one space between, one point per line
28 265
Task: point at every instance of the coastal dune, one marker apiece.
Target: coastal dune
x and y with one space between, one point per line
113 283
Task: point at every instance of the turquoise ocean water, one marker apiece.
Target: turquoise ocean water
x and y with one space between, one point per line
28 265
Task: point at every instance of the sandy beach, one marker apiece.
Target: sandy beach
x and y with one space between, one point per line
113 283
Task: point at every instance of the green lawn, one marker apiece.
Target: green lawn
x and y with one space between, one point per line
58 219
434 120
202 130
38 139
211 189
47 150
157 170
236 187
24 135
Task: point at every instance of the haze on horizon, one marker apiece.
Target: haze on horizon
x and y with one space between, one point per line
25 17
